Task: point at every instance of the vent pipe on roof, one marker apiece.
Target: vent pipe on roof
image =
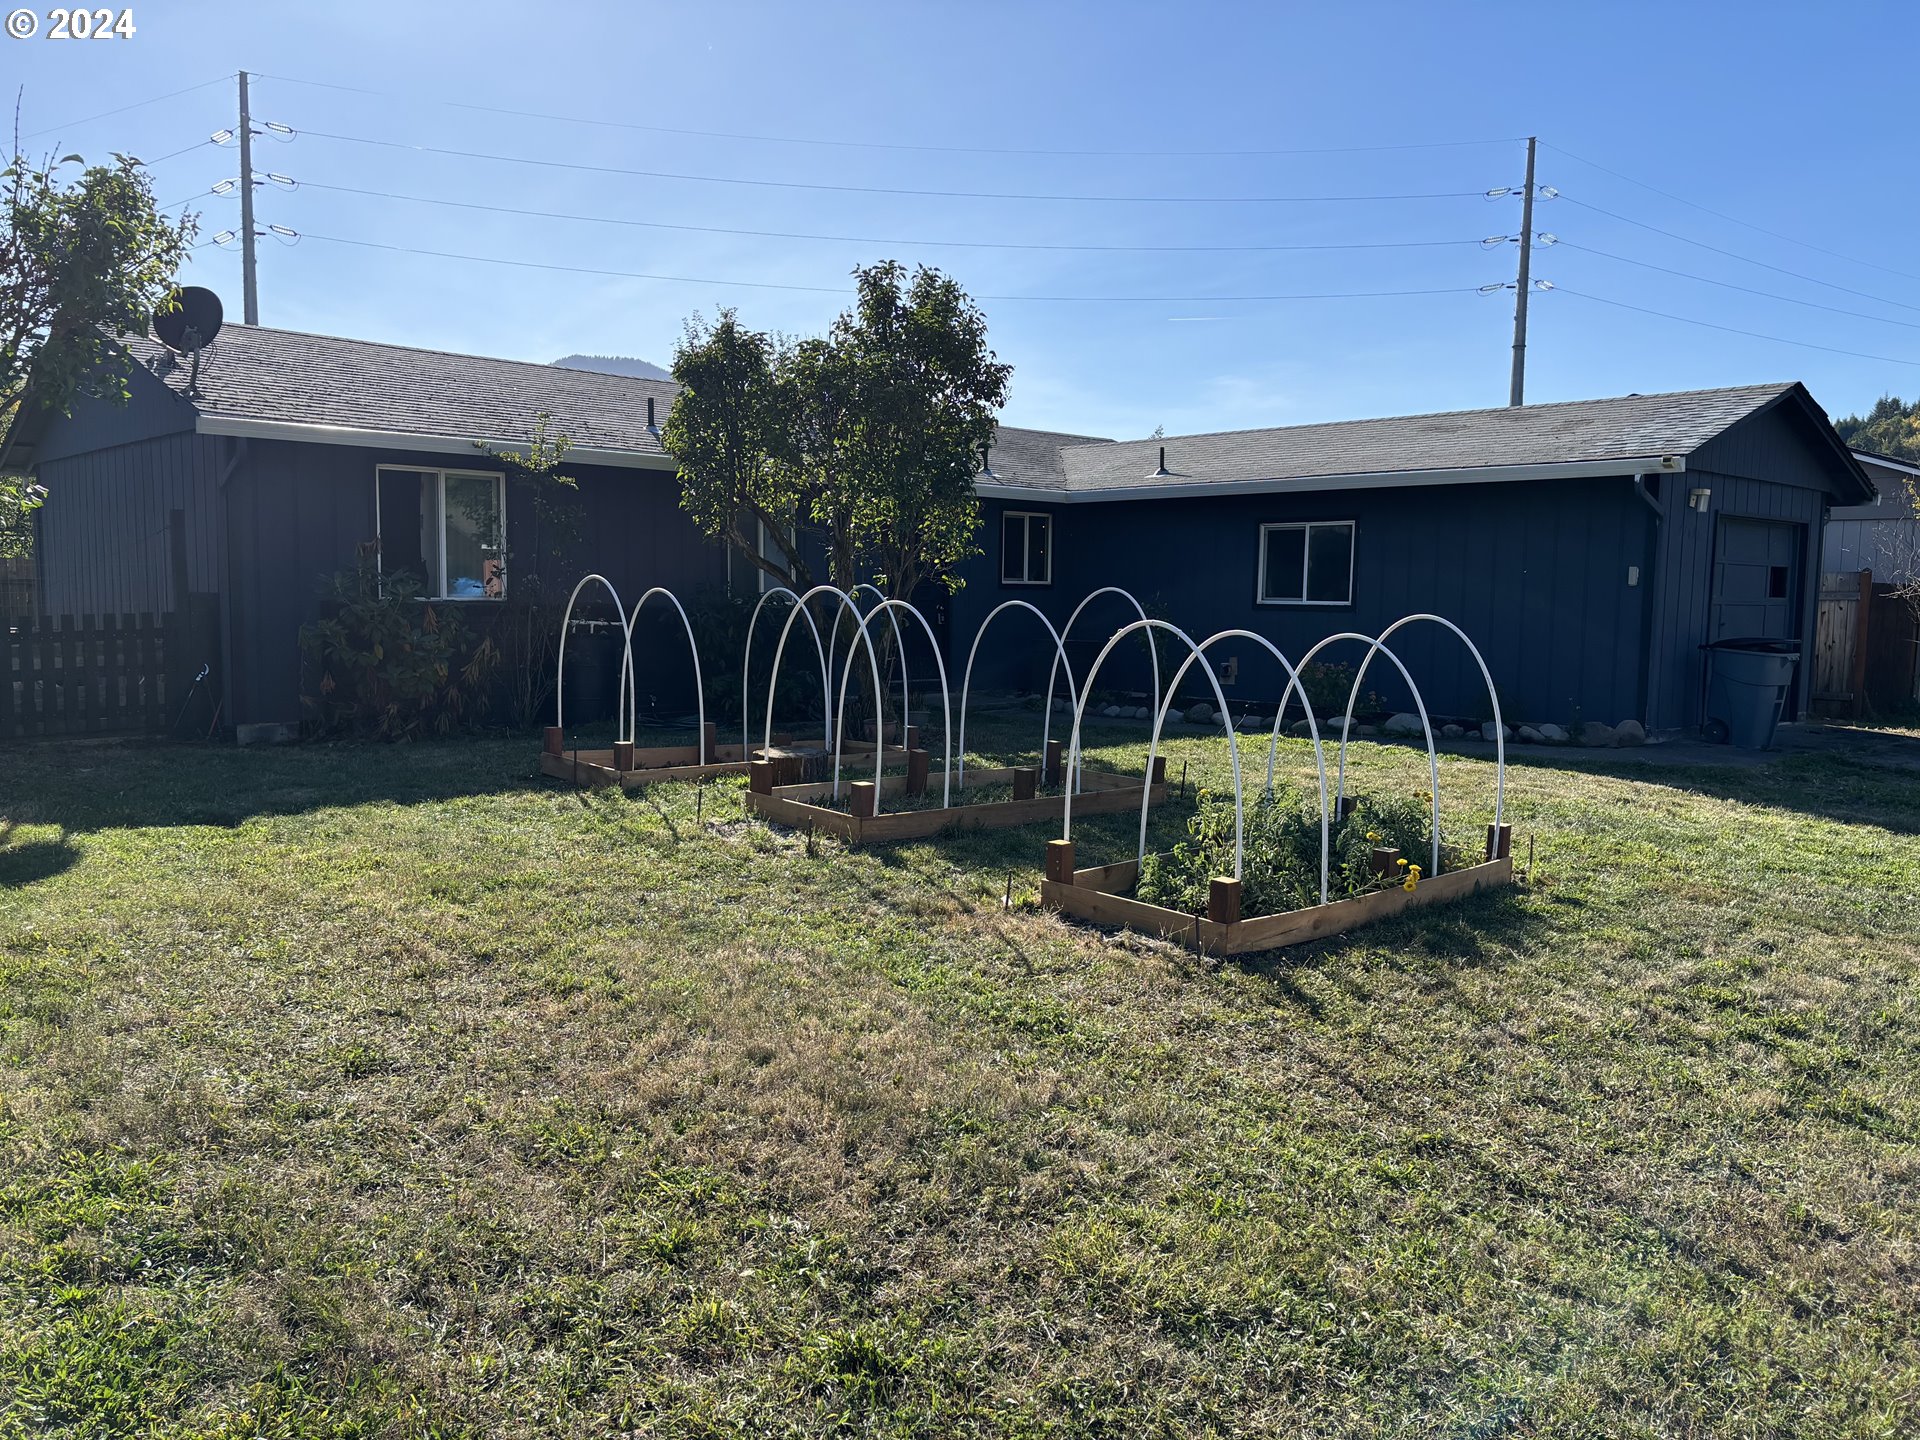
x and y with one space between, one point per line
1161 470
650 412
986 465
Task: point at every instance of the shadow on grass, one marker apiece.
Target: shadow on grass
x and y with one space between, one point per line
37 860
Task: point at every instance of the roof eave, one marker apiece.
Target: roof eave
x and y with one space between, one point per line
1363 480
309 434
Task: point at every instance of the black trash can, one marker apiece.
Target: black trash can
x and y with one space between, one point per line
591 682
1747 684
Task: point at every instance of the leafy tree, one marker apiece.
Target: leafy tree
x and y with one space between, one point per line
870 435
732 430
1892 427
84 258
909 366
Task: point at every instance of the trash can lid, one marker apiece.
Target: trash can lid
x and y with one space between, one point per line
1756 644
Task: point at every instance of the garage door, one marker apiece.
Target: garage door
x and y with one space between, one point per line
1756 579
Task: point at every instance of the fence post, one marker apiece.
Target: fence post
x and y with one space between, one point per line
1863 616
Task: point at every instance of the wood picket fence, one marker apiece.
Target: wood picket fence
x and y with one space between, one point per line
91 674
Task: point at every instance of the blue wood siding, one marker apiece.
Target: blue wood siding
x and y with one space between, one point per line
1536 573
297 513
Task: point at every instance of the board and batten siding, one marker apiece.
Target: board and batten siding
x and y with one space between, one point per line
298 514
1537 573
102 540
1767 467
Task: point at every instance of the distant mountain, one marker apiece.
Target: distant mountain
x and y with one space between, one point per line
614 365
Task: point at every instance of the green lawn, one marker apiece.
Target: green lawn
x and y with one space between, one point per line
394 1091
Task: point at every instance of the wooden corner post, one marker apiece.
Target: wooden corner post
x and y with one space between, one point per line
1051 767
918 764
865 799
1499 842
553 741
1060 861
1223 900
1026 782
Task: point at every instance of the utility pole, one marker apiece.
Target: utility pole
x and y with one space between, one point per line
1516 395
248 281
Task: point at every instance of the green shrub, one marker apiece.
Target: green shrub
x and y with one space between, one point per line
383 662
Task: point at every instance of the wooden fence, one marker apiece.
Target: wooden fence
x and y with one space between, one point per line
94 675
1866 647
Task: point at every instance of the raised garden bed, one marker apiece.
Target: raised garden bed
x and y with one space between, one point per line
634 766
1103 895
810 805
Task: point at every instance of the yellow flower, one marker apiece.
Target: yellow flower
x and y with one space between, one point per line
1400 862
1412 882
1373 834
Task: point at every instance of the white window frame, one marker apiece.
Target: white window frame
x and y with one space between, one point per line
1027 517
440 478
1307 527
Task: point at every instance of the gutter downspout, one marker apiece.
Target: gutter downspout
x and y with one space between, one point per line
236 452
1650 672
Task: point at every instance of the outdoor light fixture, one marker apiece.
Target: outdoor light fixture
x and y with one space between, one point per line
1697 499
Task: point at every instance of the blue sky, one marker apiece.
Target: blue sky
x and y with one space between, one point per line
1797 124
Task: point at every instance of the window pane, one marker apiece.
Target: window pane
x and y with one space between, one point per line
1039 541
473 536
401 533
1330 563
1013 547
1286 563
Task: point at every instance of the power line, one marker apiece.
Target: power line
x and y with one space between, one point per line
171 94
172 153
898 145
875 240
1731 219
1736 255
1732 329
1743 289
845 290
889 190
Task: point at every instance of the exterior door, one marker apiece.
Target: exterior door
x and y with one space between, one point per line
1757 580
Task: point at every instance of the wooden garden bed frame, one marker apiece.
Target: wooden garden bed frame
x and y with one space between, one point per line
1103 896
634 766
797 805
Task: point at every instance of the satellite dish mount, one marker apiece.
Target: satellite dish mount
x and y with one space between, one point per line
188 325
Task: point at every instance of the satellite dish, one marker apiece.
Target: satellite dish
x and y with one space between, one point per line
192 322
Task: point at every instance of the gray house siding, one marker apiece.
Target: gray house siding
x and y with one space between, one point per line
103 538
1536 573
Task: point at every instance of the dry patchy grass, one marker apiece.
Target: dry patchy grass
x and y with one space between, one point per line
397 1092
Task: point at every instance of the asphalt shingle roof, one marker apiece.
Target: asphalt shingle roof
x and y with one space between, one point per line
1627 427
259 373
256 373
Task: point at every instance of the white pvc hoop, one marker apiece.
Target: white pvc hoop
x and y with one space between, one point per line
1072 777
899 643
1319 755
627 667
946 703
1499 726
1233 743
746 672
826 679
560 662
966 680
1346 725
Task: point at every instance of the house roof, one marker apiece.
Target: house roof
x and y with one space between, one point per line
256 380
261 377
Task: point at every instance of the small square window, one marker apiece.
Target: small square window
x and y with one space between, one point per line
1026 548
1310 563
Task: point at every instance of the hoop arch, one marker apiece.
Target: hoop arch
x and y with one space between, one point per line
1233 743
1499 725
620 734
746 668
966 679
946 703
800 603
627 667
899 643
1319 755
1153 654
